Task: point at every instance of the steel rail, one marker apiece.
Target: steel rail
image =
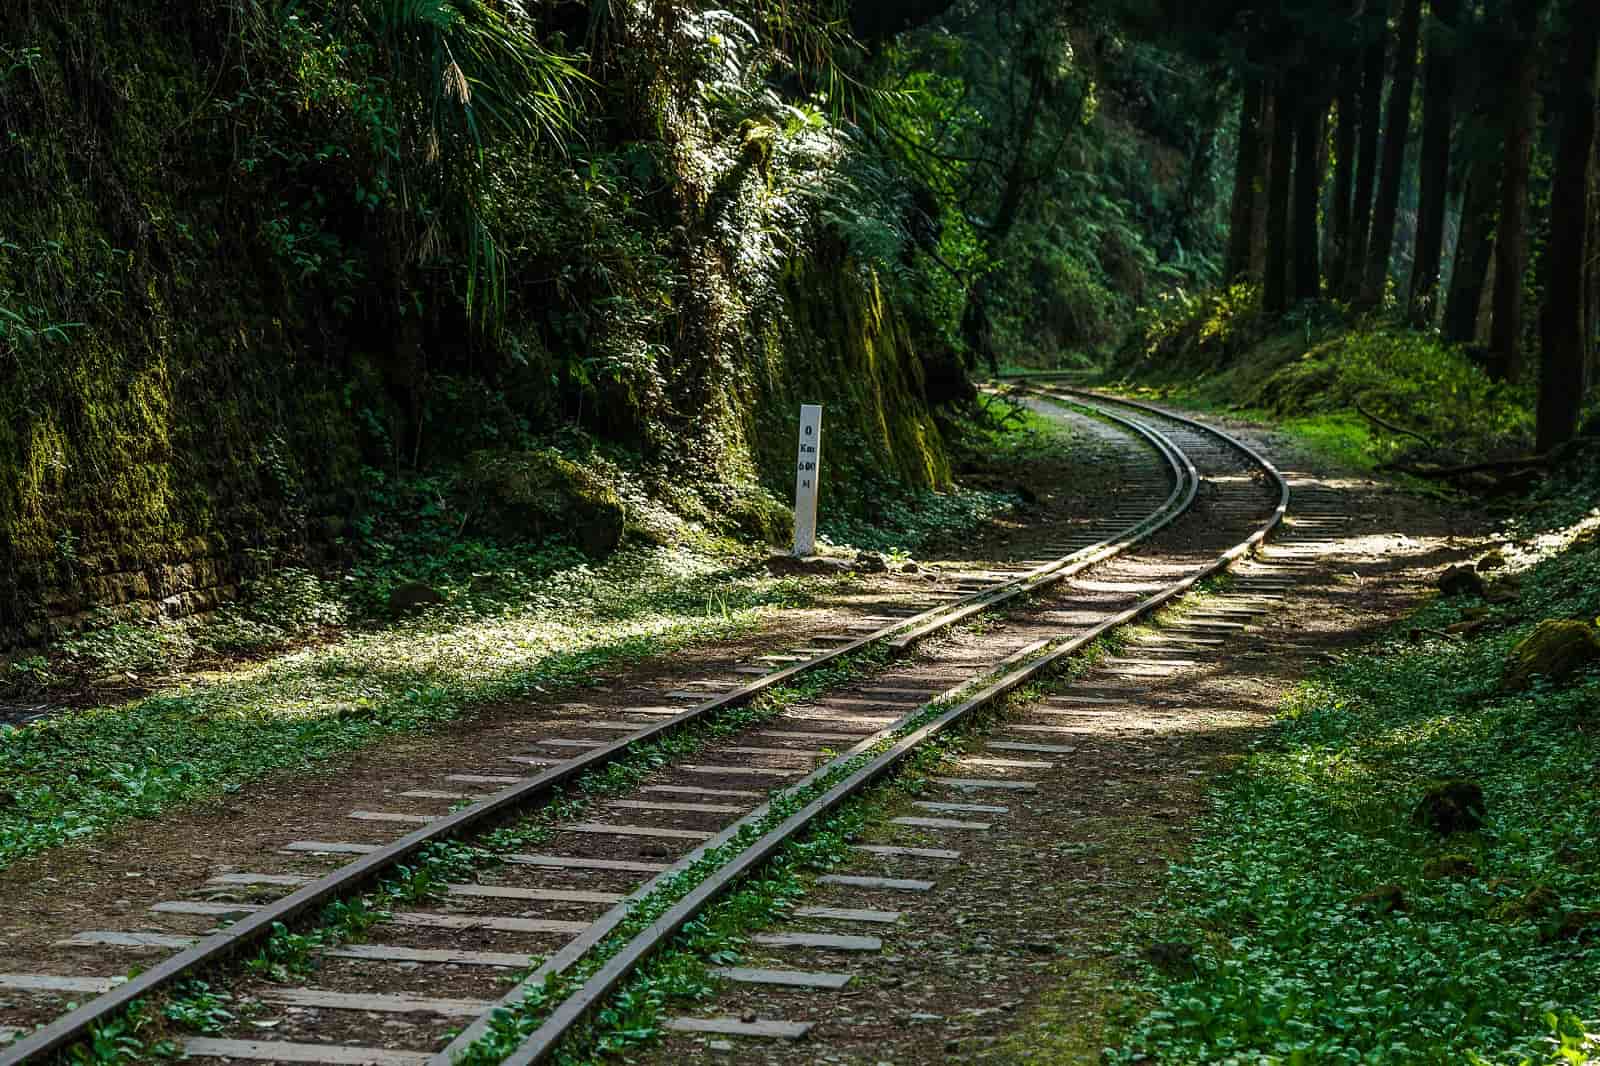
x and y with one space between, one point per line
538 1046
73 1026
1178 501
1256 457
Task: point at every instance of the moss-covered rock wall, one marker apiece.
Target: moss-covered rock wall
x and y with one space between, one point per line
201 357
164 424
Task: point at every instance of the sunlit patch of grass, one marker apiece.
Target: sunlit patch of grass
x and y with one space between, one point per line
84 771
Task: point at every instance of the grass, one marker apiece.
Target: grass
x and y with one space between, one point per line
1490 955
1310 371
83 772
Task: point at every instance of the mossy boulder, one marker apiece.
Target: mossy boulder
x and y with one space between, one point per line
1449 867
1532 905
1556 647
532 494
1452 807
756 513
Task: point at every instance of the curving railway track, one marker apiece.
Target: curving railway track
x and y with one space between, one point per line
619 870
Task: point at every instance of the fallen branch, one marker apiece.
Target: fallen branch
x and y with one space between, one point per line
1391 427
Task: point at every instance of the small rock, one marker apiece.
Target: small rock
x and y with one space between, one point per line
1507 590
1385 899
1461 581
1452 807
780 565
1580 926
1493 561
414 596
911 568
655 851
748 1017
720 1045
1171 955
870 563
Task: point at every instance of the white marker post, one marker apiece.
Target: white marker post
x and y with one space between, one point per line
807 467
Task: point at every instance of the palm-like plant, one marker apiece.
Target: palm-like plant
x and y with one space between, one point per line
461 75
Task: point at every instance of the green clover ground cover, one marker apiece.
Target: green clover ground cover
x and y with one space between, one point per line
1478 947
85 771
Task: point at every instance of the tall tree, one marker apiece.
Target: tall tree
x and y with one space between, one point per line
1438 120
1387 209
1263 200
1375 29
1474 250
1520 119
1247 178
1275 281
1311 135
1344 167
1591 320
1565 339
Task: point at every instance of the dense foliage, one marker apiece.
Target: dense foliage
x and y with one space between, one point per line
1452 193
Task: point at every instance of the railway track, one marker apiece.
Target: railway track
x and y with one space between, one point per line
679 835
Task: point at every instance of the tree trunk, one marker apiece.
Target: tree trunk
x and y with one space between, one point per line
1246 181
1511 237
1258 224
1591 316
1394 155
1474 249
1275 282
1017 179
1372 78
1344 170
1438 119
1310 163
1565 341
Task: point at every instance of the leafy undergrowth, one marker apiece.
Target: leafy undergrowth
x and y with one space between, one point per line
1317 369
997 454
1331 927
995 450
906 520
82 771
